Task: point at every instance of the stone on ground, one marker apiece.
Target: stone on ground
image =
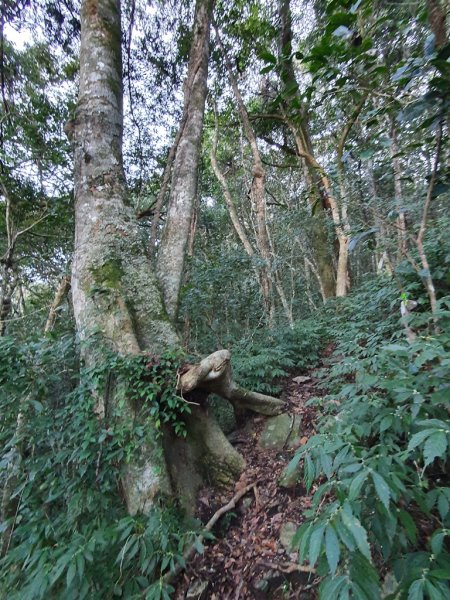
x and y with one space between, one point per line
281 432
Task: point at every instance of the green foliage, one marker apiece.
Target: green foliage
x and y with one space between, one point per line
379 465
71 535
150 385
268 356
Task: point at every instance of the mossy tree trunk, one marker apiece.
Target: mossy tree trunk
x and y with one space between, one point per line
116 300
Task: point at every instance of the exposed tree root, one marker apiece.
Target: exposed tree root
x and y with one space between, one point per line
213 374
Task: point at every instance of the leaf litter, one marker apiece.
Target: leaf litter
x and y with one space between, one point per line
249 557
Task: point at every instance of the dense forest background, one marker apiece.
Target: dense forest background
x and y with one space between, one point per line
320 222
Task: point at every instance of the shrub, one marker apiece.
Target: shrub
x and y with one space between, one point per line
381 462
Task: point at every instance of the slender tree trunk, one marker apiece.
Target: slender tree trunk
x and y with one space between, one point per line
396 167
382 260
171 256
7 287
240 231
258 198
319 238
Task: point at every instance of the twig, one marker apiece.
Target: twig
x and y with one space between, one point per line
169 577
257 498
237 594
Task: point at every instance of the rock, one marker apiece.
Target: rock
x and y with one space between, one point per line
390 584
287 532
247 502
271 580
197 590
301 379
289 479
281 432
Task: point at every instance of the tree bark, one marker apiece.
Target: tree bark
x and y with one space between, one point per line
437 19
171 256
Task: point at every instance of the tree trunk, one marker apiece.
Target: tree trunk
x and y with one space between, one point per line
171 256
258 198
319 238
396 167
115 295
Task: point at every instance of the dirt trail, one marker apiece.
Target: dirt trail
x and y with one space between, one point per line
248 558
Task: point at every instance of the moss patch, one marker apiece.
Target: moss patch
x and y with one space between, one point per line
109 274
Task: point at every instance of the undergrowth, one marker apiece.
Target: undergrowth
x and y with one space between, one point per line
68 534
261 360
378 468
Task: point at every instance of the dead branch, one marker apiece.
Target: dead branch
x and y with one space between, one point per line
171 576
60 294
288 567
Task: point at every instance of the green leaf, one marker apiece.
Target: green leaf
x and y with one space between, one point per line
315 543
443 505
344 535
304 541
199 546
437 542
356 484
386 422
358 532
435 447
409 525
80 566
332 549
71 571
440 573
353 468
309 472
382 489
331 587
267 57
292 466
419 437
327 465
366 154
433 592
415 591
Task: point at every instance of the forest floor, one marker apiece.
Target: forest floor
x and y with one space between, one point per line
250 556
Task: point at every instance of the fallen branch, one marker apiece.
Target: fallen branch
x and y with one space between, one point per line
169 577
288 567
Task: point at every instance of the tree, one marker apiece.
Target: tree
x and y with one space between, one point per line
297 117
116 298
